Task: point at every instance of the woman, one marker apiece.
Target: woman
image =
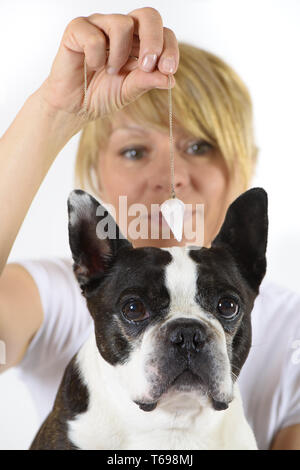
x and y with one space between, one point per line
126 152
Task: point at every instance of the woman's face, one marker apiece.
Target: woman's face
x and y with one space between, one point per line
136 164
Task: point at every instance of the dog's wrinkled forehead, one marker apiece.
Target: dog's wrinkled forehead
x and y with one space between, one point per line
159 273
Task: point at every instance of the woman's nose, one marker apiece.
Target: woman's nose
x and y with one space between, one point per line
162 172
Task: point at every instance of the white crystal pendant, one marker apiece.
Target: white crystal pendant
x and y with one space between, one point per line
173 212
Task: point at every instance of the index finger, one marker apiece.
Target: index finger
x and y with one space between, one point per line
148 26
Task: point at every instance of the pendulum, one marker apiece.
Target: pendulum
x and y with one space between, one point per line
173 209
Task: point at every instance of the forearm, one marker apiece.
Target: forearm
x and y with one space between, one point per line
287 438
27 150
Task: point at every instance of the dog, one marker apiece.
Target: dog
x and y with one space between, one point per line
172 329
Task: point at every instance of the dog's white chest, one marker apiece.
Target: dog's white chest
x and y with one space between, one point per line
111 433
107 433
98 429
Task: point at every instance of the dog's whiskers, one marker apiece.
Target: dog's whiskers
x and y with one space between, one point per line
234 376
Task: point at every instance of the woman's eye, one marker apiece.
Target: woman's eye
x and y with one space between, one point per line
135 310
228 308
133 153
199 148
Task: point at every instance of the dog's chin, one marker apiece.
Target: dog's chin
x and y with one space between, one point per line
187 382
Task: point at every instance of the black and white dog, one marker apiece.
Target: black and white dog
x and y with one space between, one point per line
172 331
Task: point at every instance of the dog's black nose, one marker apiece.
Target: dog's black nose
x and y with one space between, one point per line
188 335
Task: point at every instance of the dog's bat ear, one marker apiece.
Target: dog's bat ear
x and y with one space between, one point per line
94 239
244 232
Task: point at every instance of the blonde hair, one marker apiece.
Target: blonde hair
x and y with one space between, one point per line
210 101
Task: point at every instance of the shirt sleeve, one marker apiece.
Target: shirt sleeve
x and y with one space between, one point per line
66 319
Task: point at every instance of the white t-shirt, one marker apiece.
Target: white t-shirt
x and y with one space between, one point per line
269 381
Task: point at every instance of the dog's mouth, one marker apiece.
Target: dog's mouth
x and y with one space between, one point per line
185 381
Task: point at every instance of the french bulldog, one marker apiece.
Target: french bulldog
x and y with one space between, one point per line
172 329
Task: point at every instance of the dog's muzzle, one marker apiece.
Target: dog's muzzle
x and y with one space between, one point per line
186 358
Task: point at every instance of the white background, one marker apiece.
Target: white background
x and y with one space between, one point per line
259 38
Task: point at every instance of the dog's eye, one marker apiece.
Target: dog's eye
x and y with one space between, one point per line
228 308
135 311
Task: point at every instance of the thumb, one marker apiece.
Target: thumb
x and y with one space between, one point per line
139 82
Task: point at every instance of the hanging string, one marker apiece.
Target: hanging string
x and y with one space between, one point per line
85 89
173 195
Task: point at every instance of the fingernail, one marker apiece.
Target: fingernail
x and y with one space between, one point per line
168 65
148 62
